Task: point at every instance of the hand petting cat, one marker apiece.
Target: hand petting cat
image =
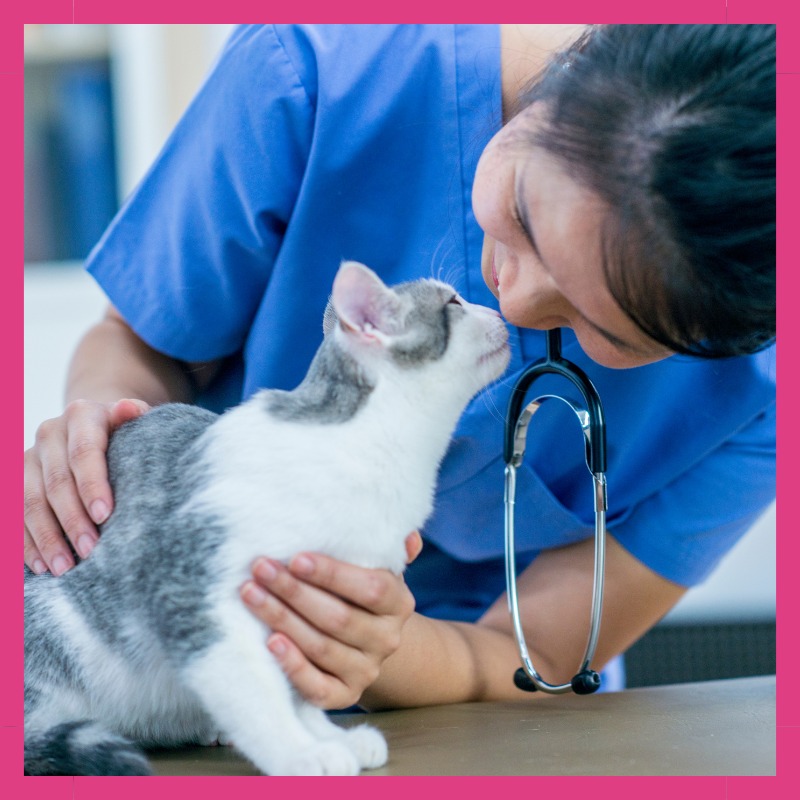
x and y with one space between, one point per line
66 482
334 624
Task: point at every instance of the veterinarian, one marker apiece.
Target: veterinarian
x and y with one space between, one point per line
626 195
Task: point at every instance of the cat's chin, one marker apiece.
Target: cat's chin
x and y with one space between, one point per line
494 363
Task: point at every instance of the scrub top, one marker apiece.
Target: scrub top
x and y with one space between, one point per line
309 144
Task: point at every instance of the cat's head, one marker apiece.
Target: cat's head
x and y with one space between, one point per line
422 327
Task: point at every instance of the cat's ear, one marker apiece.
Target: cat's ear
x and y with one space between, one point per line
363 304
330 319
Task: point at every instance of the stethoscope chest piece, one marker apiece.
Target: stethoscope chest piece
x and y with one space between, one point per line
590 417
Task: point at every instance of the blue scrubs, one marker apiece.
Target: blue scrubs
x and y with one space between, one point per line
311 144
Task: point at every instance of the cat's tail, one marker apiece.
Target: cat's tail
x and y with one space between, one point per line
82 748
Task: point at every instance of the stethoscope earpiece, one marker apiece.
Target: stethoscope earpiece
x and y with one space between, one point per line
592 424
522 681
586 682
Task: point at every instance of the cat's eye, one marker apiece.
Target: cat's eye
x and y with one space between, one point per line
455 300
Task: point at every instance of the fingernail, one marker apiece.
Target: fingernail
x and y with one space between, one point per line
85 545
39 566
302 565
99 511
265 570
276 646
60 565
253 594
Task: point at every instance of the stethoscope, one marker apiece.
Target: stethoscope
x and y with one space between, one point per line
592 422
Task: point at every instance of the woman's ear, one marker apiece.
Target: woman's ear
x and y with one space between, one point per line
363 305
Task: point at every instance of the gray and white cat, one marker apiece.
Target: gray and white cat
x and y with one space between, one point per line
147 642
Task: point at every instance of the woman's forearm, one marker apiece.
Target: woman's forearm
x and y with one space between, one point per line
111 362
446 662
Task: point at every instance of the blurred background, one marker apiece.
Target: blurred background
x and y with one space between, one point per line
100 100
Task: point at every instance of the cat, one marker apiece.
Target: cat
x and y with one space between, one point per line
147 643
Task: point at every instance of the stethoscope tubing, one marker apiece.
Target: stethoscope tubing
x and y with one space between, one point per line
592 424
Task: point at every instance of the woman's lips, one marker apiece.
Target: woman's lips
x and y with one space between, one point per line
494 274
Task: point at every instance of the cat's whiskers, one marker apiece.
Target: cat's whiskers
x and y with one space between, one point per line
488 401
453 272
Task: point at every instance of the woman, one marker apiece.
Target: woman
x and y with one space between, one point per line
629 197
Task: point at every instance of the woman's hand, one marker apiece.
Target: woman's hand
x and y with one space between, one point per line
333 624
66 482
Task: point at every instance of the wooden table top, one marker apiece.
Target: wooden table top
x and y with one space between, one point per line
713 728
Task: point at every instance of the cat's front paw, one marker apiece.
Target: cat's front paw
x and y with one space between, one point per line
369 746
324 758
214 740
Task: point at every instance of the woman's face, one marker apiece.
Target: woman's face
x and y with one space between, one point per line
542 250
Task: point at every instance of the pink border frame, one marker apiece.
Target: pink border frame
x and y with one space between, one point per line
15 14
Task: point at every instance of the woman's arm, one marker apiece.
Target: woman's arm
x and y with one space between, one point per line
336 626
66 480
111 362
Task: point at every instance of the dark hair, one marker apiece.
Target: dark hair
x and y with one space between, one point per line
674 127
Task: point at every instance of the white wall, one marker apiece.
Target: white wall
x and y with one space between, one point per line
61 302
743 587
